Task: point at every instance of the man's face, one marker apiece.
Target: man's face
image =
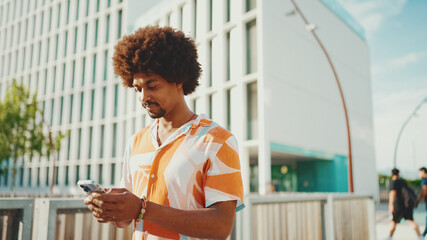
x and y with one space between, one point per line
421 173
156 95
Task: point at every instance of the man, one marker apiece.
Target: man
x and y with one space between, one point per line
397 207
181 174
423 196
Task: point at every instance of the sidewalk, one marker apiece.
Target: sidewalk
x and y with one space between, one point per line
403 230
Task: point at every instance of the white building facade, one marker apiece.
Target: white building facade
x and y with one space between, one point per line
264 78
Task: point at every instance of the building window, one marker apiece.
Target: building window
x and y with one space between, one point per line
56 175
228 14
60 113
29 177
85 44
67 168
79 143
97 6
119 30
96 33
41 24
83 71
47 176
113 174
63 76
109 3
90 142
77 9
50 19
107 32
210 64
228 110
66 43
227 57
250 4
105 64
21 176
210 110
59 17
88 172
94 69
47 50
56 47
251 47
77 173
81 105
26 30
38 177
87 10
40 54
168 19
210 14
252 110
73 73
69 146
114 140
92 104
51 111
100 174
104 98
101 150
181 16
71 108
68 11
75 40
116 99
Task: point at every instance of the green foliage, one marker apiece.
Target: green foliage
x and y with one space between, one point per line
23 132
382 179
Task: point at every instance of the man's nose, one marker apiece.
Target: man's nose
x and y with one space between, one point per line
143 95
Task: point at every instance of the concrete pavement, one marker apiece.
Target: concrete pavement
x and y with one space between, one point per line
403 230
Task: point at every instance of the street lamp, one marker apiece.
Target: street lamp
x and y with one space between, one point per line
311 27
403 127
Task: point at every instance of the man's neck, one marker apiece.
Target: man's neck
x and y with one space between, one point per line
176 119
394 177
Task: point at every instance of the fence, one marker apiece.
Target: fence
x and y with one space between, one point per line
276 216
307 216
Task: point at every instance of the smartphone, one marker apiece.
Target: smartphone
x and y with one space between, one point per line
89 186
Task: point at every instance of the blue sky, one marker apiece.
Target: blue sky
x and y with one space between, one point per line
396 33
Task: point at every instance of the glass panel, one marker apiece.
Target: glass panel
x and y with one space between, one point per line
59 16
85 44
75 39
116 99
228 11
71 108
56 175
96 32
228 109
250 4
101 150
195 19
68 11
77 173
60 113
105 64
252 110
114 140
50 19
77 9
47 176
88 171
87 11
113 174
228 58
107 32
81 105
104 96
21 176
119 31
38 177
90 143
83 71
210 15
97 6
210 106
210 63
94 69
56 48
69 146
251 47
79 143
67 168
52 102
29 177
63 76
100 174
65 45
92 104
73 73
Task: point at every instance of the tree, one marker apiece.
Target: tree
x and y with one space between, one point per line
23 131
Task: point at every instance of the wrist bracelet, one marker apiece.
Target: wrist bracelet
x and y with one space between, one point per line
143 206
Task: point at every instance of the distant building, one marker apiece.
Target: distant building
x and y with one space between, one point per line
264 78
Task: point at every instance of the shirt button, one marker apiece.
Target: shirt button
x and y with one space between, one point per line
152 176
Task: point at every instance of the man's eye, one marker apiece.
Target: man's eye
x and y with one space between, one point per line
152 87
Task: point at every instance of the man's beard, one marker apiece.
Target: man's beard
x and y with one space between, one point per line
161 112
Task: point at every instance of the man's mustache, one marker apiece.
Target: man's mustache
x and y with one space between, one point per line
145 104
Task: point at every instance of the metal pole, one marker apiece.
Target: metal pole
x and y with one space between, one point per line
311 27
403 127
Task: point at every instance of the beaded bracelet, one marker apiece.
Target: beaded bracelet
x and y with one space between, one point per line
144 205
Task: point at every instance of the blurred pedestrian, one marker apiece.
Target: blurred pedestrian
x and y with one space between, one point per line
423 196
397 206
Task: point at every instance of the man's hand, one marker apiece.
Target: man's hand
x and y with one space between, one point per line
116 205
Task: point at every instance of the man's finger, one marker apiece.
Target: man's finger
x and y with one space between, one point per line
88 200
116 190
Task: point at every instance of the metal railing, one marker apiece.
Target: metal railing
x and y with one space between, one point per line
276 216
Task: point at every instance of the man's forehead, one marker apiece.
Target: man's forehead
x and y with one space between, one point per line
141 78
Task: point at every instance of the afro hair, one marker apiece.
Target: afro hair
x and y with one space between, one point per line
160 50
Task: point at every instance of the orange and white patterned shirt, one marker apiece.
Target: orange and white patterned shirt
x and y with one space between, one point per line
197 166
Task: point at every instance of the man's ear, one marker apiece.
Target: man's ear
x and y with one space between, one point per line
179 85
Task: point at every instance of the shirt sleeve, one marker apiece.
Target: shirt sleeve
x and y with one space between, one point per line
126 181
223 176
393 185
